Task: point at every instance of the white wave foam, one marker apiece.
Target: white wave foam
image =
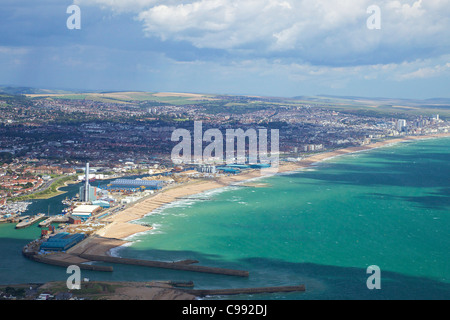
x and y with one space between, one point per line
114 252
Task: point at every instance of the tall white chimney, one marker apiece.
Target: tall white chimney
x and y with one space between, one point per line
86 184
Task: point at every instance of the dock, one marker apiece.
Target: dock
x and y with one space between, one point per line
30 221
46 222
180 265
11 219
53 219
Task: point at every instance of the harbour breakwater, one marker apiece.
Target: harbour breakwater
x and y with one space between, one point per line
84 260
63 260
180 265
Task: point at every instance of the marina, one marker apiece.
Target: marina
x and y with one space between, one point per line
11 212
14 208
8 219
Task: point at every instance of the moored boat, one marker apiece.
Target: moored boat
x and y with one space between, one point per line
30 221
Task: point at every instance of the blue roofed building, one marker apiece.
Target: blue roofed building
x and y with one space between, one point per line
62 241
134 185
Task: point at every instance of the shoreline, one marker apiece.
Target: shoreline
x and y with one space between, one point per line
120 228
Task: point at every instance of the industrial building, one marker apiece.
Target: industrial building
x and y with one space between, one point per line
86 211
260 166
92 195
87 192
134 185
62 241
74 220
207 169
102 203
228 170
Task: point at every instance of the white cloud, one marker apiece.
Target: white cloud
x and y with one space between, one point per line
414 10
322 31
331 77
426 70
13 50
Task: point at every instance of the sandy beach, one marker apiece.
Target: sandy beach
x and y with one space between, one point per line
120 226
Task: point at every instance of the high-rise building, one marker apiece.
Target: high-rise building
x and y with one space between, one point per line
435 117
401 125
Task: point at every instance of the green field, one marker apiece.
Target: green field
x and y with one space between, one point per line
129 97
243 104
51 192
378 106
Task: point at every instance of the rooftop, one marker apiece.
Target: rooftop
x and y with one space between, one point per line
85 208
136 183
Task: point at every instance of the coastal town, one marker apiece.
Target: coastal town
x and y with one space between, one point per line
118 155
46 140
231 155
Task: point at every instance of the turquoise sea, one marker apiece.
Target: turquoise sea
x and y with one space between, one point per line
321 227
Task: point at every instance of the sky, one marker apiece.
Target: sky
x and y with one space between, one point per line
280 48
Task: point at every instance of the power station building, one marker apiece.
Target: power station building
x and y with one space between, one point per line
87 192
92 195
